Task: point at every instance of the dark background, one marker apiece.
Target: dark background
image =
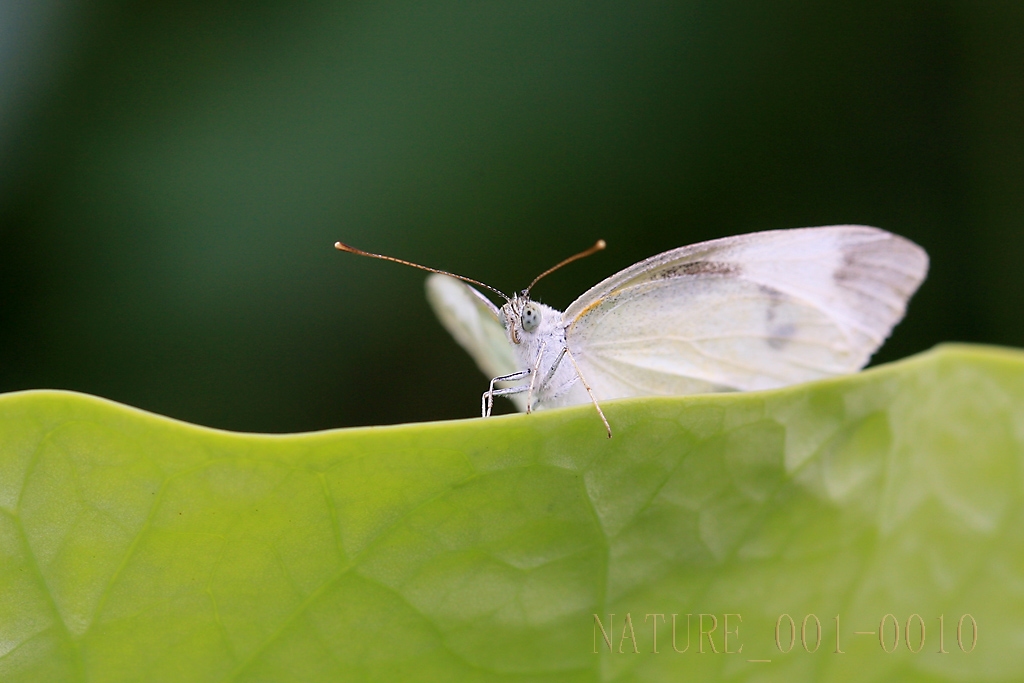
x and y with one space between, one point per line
173 176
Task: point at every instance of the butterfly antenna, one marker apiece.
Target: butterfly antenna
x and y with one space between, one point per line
598 246
341 246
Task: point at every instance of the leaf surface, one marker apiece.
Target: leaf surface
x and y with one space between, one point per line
135 547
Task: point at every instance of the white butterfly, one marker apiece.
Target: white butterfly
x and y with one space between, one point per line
755 311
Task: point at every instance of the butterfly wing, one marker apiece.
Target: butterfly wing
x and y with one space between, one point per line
749 312
472 319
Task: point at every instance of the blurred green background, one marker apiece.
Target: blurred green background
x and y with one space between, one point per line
174 175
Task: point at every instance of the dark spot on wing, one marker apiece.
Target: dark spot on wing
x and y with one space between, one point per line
778 335
861 264
700 268
858 278
775 298
848 271
781 336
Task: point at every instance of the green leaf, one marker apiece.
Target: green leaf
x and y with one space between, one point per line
134 547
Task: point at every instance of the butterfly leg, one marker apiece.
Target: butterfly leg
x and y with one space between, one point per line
487 400
551 373
554 366
540 386
586 386
505 392
533 377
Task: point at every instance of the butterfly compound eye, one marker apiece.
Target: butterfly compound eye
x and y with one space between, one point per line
531 317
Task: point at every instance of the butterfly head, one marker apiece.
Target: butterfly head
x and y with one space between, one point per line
521 317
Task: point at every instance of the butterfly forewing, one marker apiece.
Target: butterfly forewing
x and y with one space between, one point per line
750 312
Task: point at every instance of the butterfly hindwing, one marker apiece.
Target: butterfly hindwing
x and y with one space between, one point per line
472 319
